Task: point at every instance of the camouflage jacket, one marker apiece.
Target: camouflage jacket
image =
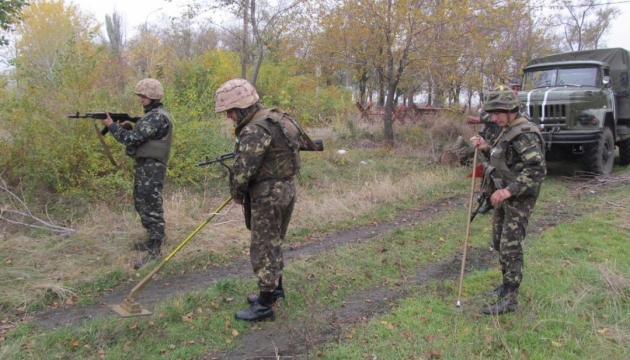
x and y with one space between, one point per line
523 157
262 153
154 127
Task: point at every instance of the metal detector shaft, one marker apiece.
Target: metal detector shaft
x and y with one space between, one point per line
129 307
470 206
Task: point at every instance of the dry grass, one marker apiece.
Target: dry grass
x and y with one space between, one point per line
102 242
616 282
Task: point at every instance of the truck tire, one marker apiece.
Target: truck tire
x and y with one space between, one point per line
599 156
624 152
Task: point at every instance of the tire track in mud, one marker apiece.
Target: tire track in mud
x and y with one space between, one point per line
163 288
298 338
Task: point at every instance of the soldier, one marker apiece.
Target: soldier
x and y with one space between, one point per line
261 179
149 143
517 169
490 129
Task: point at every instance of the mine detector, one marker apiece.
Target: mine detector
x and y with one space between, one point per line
581 102
129 307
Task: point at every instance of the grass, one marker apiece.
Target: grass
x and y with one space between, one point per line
574 301
574 298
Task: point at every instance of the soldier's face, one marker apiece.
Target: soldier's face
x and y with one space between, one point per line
502 118
515 89
144 100
231 114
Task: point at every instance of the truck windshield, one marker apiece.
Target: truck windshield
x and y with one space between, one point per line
586 76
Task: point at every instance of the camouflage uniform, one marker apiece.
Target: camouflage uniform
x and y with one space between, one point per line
263 170
517 163
149 173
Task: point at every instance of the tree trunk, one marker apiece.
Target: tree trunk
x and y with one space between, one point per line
244 50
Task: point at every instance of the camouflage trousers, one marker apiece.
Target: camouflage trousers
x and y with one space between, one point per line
271 212
509 224
148 184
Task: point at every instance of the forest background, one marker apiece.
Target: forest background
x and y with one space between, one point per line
314 59
66 214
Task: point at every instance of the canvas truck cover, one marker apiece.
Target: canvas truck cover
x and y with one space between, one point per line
616 58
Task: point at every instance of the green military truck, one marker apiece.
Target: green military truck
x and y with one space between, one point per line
581 102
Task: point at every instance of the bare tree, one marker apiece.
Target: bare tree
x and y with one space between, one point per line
584 22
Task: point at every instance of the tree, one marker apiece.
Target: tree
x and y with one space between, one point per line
55 51
9 16
584 22
268 23
115 32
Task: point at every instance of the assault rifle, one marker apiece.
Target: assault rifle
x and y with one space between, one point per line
117 117
483 200
220 160
319 144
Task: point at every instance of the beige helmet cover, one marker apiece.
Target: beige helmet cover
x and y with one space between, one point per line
236 93
150 88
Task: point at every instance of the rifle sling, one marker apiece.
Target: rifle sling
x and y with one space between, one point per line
108 152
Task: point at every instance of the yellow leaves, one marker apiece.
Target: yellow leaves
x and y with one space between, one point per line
126 347
234 332
133 326
187 317
390 326
603 331
74 343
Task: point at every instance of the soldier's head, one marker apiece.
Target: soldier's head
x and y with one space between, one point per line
149 90
502 104
237 98
514 84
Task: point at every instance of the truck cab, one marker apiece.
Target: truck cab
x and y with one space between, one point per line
580 101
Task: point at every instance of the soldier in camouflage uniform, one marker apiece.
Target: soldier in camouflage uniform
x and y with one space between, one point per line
149 143
517 169
490 129
261 179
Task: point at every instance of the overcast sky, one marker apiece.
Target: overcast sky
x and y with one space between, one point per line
137 12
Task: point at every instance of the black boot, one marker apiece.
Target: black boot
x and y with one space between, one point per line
153 254
260 310
148 245
507 303
496 292
277 294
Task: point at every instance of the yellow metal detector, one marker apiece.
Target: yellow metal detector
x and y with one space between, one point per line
129 307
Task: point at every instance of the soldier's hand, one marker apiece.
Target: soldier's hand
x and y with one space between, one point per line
107 121
500 196
238 201
478 141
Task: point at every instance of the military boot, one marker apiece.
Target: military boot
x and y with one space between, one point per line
147 245
152 254
496 292
260 310
507 303
277 294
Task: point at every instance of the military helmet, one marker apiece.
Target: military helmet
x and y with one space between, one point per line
501 98
514 82
236 93
150 88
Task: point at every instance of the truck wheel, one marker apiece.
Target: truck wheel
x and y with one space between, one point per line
599 156
624 152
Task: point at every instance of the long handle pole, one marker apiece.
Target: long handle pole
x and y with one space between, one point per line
147 279
470 206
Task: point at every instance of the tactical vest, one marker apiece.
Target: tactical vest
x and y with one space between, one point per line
283 161
156 149
503 176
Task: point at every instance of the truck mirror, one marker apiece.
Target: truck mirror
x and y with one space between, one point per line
606 80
